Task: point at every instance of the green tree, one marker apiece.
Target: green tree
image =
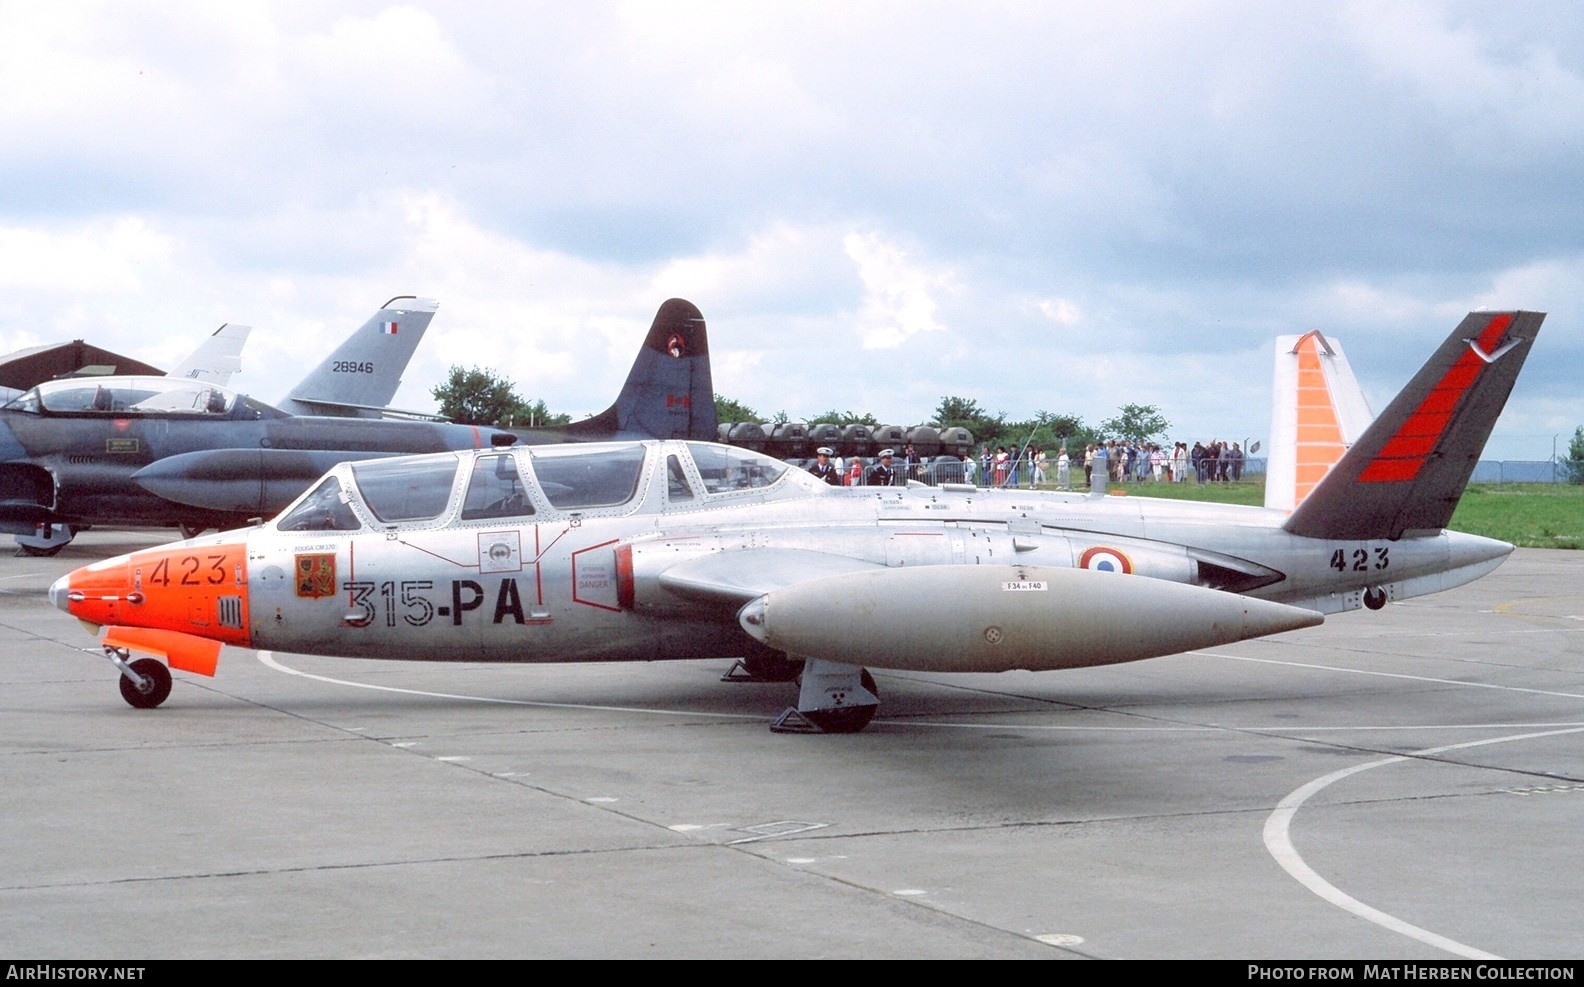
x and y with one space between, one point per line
848 418
955 412
729 412
1138 422
1047 431
471 395
474 396
534 414
1573 466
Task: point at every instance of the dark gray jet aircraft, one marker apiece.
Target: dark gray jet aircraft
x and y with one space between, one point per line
355 381
167 452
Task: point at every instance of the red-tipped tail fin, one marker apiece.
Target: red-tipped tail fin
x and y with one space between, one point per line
1408 470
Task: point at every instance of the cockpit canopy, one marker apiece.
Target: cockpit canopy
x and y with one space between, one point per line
540 482
125 397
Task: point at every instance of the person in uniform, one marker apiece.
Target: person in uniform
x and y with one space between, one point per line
823 468
883 474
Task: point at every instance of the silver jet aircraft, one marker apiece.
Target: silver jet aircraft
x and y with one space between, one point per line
645 550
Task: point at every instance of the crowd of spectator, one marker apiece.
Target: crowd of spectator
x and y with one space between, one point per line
1012 467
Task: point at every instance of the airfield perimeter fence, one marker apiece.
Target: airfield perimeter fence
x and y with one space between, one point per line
947 469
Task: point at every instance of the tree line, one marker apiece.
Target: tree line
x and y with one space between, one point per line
477 396
1046 430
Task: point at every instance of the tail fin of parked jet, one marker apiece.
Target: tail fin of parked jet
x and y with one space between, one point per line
1318 410
359 379
216 358
669 393
1408 470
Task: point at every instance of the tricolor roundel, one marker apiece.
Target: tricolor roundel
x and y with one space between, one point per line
1103 559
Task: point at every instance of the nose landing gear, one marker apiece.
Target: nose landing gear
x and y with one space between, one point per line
145 683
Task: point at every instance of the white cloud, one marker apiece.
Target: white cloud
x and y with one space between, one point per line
94 258
1060 310
874 206
899 295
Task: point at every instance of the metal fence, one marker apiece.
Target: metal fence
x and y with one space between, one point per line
936 470
1519 471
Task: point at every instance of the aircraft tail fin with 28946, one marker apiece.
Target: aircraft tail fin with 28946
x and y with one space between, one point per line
359 379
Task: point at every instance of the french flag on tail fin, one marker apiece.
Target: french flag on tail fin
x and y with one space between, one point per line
388 328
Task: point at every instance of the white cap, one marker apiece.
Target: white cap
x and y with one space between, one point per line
887 452
824 451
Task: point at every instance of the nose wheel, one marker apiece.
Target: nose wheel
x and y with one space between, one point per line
46 541
145 683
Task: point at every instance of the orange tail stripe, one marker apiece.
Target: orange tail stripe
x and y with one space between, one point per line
1319 433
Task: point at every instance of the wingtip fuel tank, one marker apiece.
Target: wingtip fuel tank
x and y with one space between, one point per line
970 618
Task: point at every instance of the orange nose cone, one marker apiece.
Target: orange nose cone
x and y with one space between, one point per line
97 593
198 590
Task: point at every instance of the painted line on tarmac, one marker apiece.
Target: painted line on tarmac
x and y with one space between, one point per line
1391 675
1278 841
267 658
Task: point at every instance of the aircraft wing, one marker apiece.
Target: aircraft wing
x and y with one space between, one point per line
817 604
735 578
338 409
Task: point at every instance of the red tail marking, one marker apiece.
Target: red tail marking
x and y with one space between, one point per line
1404 454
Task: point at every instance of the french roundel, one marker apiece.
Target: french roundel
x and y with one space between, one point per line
1105 560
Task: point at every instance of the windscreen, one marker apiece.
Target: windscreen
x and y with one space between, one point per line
411 488
323 510
728 468
577 477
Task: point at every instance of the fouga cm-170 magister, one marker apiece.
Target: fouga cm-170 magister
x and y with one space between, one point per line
645 550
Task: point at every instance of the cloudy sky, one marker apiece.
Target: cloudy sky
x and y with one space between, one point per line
1039 206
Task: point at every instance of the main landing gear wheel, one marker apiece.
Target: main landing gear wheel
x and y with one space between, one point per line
846 719
156 684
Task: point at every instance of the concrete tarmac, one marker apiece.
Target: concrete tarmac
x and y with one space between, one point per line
1391 786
